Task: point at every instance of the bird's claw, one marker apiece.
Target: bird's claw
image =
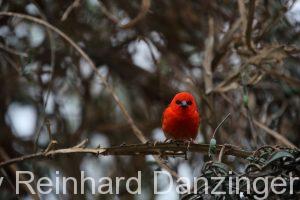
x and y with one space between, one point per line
151 143
171 141
188 142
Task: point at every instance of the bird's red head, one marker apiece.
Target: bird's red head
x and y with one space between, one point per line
184 102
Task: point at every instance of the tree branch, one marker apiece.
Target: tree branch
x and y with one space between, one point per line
145 6
162 149
249 25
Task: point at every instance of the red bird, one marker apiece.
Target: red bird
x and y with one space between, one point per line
181 118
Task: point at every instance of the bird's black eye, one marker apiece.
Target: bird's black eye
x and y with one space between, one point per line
189 102
177 102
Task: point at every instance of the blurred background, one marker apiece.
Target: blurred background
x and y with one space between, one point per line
238 57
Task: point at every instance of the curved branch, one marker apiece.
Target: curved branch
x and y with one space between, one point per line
75 4
162 149
12 51
145 6
143 11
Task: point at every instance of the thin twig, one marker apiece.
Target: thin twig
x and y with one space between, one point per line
50 145
249 25
82 143
52 65
247 21
12 51
109 15
220 124
243 15
145 6
208 57
221 153
288 79
223 45
75 4
254 133
276 135
143 11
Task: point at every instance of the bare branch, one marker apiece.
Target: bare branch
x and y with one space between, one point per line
249 25
274 134
208 57
143 11
12 51
220 124
247 21
145 6
75 4
166 149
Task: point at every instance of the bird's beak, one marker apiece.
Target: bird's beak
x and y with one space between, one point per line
183 104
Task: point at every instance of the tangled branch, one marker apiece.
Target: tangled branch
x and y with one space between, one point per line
266 162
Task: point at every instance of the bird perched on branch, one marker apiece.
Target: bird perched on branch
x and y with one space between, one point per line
181 118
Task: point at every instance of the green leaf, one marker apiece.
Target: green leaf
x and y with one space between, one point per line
212 147
221 167
245 99
279 155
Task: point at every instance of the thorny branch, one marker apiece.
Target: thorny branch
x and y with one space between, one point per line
161 149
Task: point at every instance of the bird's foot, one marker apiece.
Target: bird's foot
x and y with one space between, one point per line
151 143
188 142
172 141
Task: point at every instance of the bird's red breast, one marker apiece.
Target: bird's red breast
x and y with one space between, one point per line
181 118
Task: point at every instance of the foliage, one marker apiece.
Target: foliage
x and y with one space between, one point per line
267 162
